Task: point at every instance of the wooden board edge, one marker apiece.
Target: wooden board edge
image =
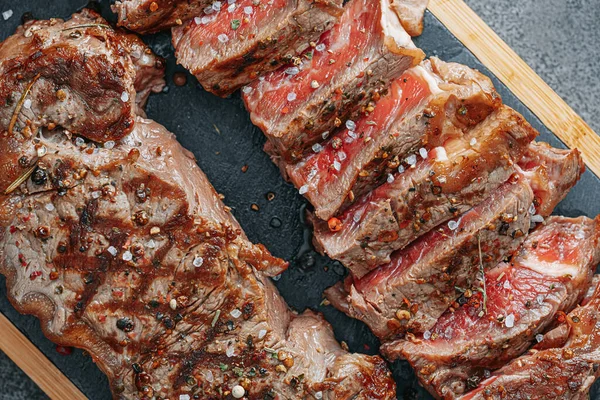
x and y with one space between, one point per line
35 364
528 86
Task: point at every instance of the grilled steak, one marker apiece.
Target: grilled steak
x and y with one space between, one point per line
425 107
233 45
448 182
411 292
147 16
552 173
551 273
349 68
125 250
411 14
564 372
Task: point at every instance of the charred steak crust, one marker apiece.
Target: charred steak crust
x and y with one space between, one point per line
125 250
250 44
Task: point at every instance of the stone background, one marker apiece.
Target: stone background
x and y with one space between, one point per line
558 38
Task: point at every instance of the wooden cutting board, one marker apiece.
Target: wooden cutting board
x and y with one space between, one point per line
496 55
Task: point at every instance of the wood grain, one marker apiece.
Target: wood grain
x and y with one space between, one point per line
31 360
495 54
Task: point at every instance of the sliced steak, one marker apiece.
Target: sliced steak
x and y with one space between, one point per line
566 372
411 292
126 251
350 67
427 106
552 173
551 273
233 46
148 16
448 182
411 13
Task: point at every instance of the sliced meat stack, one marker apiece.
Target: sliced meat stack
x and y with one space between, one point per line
564 369
232 44
550 274
340 78
425 107
454 177
419 284
125 250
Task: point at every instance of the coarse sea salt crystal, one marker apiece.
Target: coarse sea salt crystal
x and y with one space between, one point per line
341 155
423 153
247 89
390 178
223 38
453 225
506 284
109 145
320 47
127 256
411 160
50 207
351 125
231 8
96 194
540 299
401 169
532 209
303 189
312 174
356 218
112 250
235 313
427 335
473 142
198 261
216 6
248 10
337 165
7 14
27 103
230 352
292 71
539 337
206 19
325 135
151 244
317 147
537 219
197 20
318 395
262 333
79 142
276 277
291 96
209 376
510 321
184 397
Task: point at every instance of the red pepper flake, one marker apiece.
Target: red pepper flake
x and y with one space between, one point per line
53 275
22 260
35 274
153 6
362 74
13 229
335 225
285 110
64 351
101 318
388 236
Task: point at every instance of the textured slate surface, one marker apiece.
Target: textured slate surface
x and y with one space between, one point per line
194 116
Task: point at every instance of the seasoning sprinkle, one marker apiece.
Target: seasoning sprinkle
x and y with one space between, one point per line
215 319
17 111
303 189
13 186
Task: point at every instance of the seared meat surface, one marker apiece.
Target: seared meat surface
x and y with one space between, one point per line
550 274
565 370
451 179
232 45
411 14
124 249
348 70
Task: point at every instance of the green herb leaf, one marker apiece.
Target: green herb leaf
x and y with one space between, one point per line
235 24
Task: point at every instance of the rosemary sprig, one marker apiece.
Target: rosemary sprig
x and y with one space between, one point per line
87 26
13 186
17 111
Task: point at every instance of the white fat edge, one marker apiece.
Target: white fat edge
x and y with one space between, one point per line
432 82
392 27
552 269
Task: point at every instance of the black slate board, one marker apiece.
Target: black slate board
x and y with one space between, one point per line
221 136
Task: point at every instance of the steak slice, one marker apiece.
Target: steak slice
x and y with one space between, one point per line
125 250
551 273
411 292
448 182
564 372
552 173
411 14
149 16
425 107
233 45
349 68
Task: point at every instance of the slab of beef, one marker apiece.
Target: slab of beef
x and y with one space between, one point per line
125 250
566 371
343 76
411 292
411 13
232 45
552 173
148 16
451 179
551 273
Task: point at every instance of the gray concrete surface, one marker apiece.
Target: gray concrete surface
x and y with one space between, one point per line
558 38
